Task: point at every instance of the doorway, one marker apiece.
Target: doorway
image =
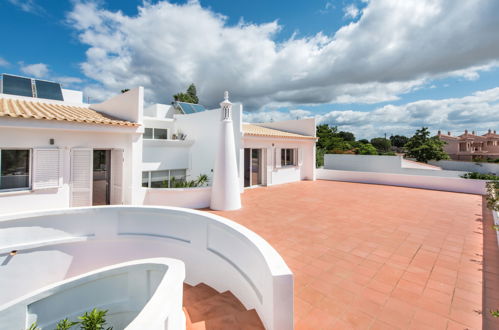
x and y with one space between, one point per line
101 177
253 167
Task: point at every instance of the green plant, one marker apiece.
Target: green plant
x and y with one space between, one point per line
493 195
202 180
495 313
94 320
65 324
33 326
480 176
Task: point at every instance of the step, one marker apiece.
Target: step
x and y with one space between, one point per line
244 320
196 293
215 306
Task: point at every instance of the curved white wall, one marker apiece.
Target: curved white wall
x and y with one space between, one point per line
142 294
59 244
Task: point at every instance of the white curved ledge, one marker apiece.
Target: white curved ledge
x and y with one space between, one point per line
141 294
215 250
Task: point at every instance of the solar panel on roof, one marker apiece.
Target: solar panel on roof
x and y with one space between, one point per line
189 108
48 90
16 85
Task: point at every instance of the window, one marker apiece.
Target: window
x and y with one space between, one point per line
462 146
161 133
156 133
288 157
14 169
148 133
162 179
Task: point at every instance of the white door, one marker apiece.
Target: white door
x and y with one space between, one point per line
117 176
81 177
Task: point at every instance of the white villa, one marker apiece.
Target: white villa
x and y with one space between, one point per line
63 153
60 157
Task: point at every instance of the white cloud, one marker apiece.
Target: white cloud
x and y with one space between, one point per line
376 58
38 70
68 80
3 62
29 6
351 11
479 112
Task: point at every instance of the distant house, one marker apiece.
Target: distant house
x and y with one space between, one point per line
470 146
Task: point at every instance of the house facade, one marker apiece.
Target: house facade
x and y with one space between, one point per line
470 146
60 152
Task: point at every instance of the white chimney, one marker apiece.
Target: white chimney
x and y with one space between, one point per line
225 190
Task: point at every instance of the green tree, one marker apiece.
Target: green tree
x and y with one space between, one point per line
424 148
347 136
367 149
381 144
398 141
192 92
190 96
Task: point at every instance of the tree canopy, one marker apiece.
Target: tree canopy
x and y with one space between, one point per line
424 148
190 96
398 141
381 144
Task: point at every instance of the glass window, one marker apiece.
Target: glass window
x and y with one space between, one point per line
148 133
178 174
14 169
288 157
145 179
159 179
161 133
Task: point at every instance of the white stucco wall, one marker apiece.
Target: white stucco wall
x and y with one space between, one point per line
193 198
304 170
203 128
31 133
454 165
404 180
380 164
141 294
56 245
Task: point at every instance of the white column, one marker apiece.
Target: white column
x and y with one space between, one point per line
225 192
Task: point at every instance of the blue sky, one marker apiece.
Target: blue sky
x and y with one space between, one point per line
368 66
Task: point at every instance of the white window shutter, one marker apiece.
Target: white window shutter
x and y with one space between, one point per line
299 151
117 176
47 171
81 176
278 157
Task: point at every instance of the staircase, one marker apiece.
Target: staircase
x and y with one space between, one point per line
205 308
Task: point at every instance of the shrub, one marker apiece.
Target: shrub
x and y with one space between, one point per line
493 195
65 324
480 176
94 320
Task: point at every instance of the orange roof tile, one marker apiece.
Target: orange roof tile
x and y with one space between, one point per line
19 108
249 129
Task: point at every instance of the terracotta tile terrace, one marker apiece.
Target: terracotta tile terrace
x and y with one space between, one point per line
380 257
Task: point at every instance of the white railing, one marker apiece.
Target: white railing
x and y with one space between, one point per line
142 294
55 245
